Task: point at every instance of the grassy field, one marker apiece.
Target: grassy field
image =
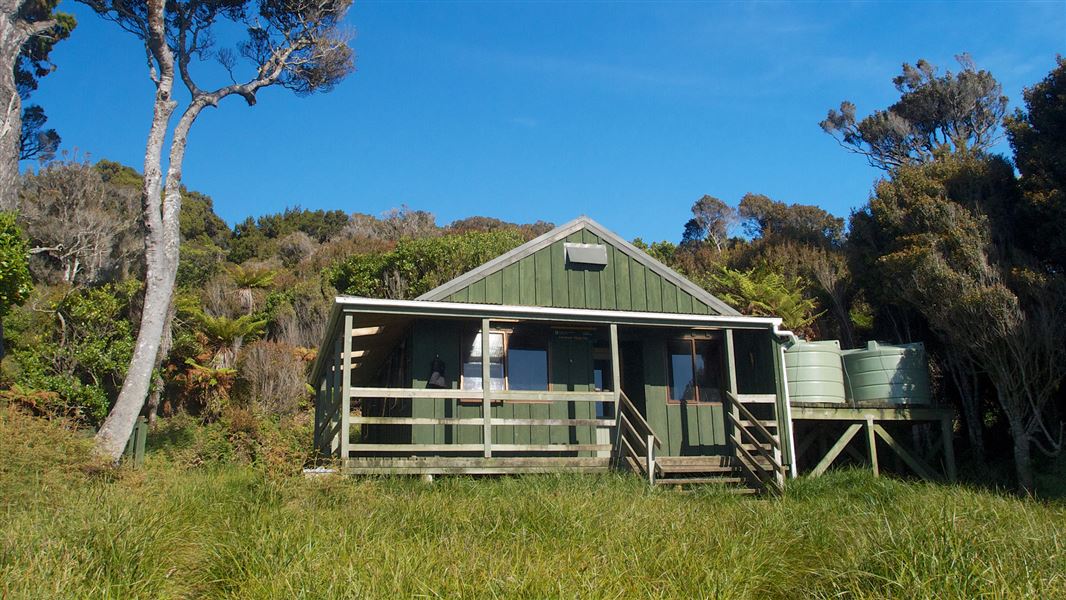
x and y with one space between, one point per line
167 531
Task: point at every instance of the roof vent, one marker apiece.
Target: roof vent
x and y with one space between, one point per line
594 255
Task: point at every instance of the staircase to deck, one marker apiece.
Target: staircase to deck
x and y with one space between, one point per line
755 465
637 446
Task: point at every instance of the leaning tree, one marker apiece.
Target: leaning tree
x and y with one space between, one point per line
301 45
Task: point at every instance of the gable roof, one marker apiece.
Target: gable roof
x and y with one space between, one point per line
444 291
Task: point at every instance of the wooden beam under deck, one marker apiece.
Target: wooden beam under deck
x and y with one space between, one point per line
867 417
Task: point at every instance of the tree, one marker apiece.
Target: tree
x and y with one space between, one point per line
15 282
956 112
29 29
984 297
85 229
297 44
766 218
36 142
1038 136
712 220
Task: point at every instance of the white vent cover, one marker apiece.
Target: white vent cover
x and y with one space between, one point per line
586 254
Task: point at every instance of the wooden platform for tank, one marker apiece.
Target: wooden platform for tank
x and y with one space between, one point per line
825 418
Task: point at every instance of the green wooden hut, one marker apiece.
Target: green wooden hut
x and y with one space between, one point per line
576 351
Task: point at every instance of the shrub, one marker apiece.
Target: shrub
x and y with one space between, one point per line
273 445
271 378
75 343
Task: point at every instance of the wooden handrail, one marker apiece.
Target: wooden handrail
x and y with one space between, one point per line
755 441
744 429
632 429
497 395
744 412
625 427
626 403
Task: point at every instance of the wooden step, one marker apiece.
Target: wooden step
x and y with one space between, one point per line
698 480
697 468
694 460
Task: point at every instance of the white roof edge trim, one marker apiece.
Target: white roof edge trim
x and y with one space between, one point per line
418 307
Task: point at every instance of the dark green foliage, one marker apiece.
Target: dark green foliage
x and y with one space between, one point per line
74 343
15 283
416 266
36 142
118 174
1038 136
33 62
200 260
319 224
199 221
662 251
258 238
766 218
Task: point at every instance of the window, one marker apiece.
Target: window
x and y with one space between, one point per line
472 363
527 360
695 370
518 360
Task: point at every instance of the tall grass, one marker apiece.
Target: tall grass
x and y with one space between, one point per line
236 532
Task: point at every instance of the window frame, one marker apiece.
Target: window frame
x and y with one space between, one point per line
464 347
691 340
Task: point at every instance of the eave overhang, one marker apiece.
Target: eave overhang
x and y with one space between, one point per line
457 310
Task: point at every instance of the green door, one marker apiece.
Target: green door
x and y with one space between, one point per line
571 371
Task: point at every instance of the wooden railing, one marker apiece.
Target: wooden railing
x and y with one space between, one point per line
486 421
757 450
636 442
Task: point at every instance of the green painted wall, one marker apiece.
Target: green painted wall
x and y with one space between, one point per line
570 369
686 429
544 279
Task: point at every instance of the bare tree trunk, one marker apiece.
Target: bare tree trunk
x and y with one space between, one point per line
161 255
11 40
158 384
965 377
15 30
1023 465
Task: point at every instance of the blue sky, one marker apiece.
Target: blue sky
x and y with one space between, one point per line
627 112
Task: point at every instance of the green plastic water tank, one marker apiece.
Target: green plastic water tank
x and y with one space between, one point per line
887 374
814 372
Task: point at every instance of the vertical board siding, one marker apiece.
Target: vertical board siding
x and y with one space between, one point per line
623 287
575 277
494 288
684 302
545 279
527 284
638 286
511 284
560 278
669 297
543 275
654 285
